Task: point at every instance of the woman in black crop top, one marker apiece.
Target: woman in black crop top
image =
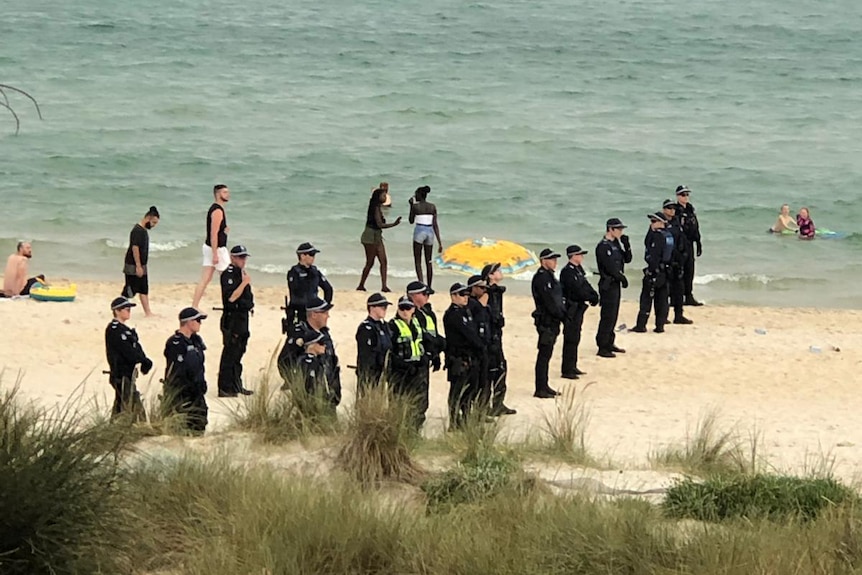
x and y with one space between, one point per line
372 238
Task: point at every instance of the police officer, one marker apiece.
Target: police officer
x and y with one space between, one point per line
317 316
372 344
432 340
658 253
237 303
124 352
408 367
464 349
548 298
318 367
185 384
304 281
612 253
497 366
478 305
691 228
681 249
578 295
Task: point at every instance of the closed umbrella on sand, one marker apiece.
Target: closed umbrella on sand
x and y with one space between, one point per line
470 256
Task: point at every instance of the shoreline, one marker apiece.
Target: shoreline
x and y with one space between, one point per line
803 403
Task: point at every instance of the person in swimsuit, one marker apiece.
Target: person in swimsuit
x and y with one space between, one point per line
215 254
784 222
424 214
806 225
15 280
372 238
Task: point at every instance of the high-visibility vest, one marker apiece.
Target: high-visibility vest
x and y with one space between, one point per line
406 342
429 324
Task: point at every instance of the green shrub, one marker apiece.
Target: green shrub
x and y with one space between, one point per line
707 451
59 491
771 497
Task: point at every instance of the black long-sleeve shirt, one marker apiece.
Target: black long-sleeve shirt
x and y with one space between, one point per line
122 349
372 344
185 371
230 280
577 290
611 257
482 318
495 309
462 335
548 297
303 283
689 223
654 247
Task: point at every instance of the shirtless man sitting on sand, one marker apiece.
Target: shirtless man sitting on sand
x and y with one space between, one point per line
15 280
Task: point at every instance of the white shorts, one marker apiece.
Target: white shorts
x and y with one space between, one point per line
223 258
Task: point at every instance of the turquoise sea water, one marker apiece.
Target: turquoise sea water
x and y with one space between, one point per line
532 122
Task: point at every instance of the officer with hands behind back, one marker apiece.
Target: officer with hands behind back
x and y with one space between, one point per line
549 313
578 295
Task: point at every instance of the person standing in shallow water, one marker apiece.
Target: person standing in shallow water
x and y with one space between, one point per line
372 239
424 214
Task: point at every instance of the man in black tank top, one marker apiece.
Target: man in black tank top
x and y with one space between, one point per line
215 254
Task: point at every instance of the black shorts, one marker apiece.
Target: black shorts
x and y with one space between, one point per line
135 285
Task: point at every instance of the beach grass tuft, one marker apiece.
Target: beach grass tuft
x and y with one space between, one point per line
380 438
709 450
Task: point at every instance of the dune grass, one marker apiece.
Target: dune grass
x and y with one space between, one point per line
709 450
380 438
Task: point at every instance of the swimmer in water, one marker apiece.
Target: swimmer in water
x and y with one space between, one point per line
784 222
806 225
424 214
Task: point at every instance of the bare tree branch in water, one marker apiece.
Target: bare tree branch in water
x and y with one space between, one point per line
8 106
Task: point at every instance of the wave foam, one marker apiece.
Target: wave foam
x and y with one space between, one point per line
733 278
169 246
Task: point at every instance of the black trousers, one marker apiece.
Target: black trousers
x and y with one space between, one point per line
572 338
234 329
609 300
676 288
497 374
412 385
463 374
688 274
548 333
653 295
127 399
191 404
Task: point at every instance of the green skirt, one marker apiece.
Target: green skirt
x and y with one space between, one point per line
370 236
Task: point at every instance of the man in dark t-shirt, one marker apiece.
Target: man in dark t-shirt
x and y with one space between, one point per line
137 255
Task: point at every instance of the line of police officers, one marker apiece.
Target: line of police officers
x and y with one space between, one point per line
404 350
671 245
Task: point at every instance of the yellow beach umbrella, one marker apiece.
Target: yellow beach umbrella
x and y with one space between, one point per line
470 256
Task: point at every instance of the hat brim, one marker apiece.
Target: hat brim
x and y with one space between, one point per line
580 253
683 191
380 304
552 256
199 317
327 307
311 252
128 305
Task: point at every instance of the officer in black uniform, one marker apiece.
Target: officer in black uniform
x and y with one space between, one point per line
612 253
432 340
549 313
304 281
318 367
464 349
679 256
658 253
124 352
691 228
237 303
408 364
317 316
497 366
185 384
578 295
478 305
372 344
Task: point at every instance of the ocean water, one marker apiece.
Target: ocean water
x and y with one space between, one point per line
531 121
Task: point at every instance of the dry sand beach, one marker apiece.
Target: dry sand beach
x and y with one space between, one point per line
804 403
